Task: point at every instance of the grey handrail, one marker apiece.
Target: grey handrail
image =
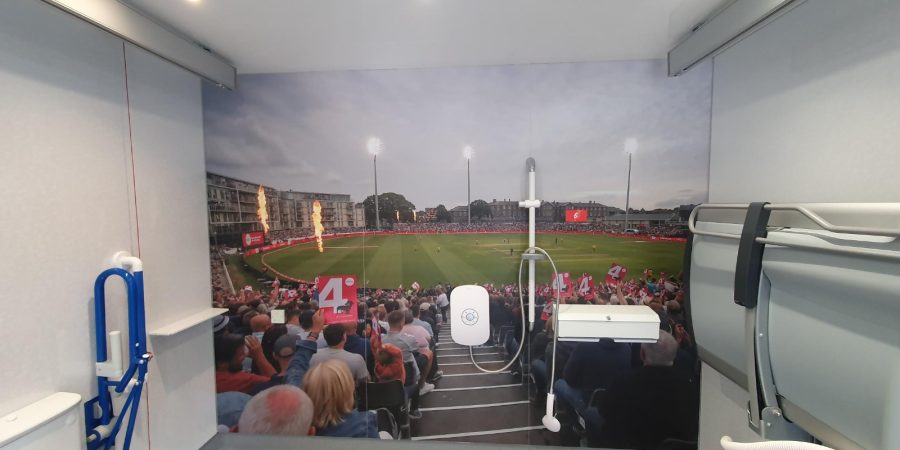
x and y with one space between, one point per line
852 251
828 226
693 218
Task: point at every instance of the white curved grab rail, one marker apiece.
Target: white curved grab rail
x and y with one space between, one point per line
728 444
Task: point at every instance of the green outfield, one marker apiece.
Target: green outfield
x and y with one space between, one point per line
388 261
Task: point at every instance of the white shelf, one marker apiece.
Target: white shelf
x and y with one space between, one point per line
187 322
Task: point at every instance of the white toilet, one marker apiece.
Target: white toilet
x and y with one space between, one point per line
53 423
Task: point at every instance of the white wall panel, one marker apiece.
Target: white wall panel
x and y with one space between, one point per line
65 198
170 177
69 203
804 110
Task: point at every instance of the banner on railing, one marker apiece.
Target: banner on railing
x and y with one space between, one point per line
253 239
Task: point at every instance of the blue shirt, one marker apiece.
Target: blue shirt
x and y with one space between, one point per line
299 365
354 425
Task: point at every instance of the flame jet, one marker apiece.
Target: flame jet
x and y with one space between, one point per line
318 228
261 211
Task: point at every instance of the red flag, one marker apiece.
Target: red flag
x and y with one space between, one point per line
576 215
564 281
585 283
615 274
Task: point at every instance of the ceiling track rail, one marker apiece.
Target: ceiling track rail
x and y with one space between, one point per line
132 26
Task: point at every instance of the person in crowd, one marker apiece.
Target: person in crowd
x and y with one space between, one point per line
281 410
306 348
268 343
541 366
389 364
221 325
645 406
409 347
336 337
427 314
422 337
330 386
248 315
417 320
306 322
229 407
292 320
359 345
443 303
592 365
230 352
283 351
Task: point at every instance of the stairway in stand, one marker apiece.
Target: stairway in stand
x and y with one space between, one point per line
469 405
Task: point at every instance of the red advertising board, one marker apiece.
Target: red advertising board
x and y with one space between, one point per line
576 215
337 297
253 239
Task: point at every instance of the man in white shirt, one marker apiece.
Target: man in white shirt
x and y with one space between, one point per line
443 303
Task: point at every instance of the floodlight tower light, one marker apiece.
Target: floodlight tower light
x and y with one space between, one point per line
375 147
468 152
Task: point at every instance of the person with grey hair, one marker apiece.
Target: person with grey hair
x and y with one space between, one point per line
284 410
648 405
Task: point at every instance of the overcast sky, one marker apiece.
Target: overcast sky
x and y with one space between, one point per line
308 132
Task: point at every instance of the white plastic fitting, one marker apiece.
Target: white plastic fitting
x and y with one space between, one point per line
112 367
549 420
728 444
126 261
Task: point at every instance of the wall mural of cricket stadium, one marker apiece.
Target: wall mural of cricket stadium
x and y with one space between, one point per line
294 163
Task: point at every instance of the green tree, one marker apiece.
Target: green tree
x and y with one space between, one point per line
389 204
442 215
480 209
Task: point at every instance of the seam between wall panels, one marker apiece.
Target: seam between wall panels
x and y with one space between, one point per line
137 223
709 152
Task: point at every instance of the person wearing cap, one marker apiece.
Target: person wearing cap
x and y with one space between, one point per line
305 349
282 352
220 325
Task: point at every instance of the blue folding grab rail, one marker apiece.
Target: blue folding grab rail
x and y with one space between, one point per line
111 381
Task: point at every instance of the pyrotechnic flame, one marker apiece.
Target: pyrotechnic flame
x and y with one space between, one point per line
398 215
261 211
414 217
318 228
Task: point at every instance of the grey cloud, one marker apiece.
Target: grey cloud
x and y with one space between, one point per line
308 131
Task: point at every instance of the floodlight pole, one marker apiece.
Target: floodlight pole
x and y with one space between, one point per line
469 188
377 217
628 192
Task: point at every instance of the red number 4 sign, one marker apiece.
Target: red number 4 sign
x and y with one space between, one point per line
337 297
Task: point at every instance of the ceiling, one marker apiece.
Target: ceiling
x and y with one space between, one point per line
266 36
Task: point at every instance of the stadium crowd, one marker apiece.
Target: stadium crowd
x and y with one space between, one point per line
305 377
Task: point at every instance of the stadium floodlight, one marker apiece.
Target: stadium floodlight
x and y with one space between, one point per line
467 152
375 147
630 147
